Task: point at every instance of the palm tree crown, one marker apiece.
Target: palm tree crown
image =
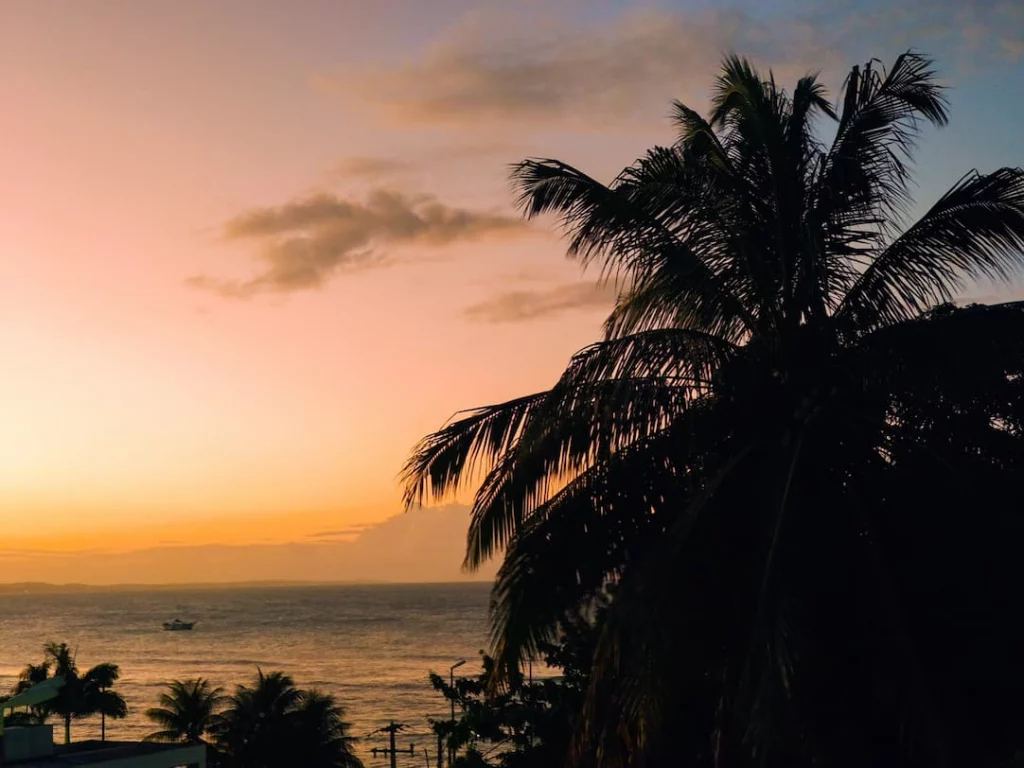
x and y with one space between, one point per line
273 724
32 674
100 699
766 459
187 711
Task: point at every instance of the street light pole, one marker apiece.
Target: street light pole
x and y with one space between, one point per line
451 737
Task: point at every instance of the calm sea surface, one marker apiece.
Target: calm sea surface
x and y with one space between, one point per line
371 646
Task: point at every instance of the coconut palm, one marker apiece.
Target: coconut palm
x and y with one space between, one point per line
187 711
69 703
770 459
100 699
273 724
319 733
33 674
252 727
82 695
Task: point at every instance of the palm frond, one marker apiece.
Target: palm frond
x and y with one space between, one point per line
102 675
696 134
579 540
690 191
688 357
606 224
109 703
444 460
976 230
663 300
161 716
862 184
611 395
769 137
580 425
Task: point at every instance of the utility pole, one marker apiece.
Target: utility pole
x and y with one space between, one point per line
451 738
391 729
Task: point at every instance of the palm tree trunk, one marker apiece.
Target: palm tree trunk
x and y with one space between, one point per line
103 726
67 729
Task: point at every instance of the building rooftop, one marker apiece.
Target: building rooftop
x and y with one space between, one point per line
115 754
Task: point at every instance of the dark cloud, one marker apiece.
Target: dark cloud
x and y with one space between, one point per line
496 69
304 243
519 305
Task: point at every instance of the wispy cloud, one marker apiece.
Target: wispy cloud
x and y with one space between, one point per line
492 68
598 77
29 552
374 168
352 530
531 304
304 243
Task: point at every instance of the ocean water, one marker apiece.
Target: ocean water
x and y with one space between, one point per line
372 646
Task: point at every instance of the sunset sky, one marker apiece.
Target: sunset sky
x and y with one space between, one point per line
251 251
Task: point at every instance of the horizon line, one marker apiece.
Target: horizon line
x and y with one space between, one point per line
27 586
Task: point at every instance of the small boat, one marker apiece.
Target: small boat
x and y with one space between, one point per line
178 625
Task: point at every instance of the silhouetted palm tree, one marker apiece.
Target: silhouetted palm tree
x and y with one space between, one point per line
68 704
34 674
769 458
320 734
273 724
252 726
187 711
99 698
81 695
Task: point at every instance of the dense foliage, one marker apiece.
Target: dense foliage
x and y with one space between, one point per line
187 711
531 721
797 461
269 724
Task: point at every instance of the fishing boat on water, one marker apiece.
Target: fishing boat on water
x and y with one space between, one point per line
178 625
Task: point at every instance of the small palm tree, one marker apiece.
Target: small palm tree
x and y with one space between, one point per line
252 730
320 733
67 704
98 696
81 695
273 724
31 675
187 711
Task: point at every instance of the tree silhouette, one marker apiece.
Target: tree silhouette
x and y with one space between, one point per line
273 724
99 698
794 466
82 695
320 734
187 711
528 722
33 674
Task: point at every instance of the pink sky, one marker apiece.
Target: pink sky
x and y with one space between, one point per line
250 252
